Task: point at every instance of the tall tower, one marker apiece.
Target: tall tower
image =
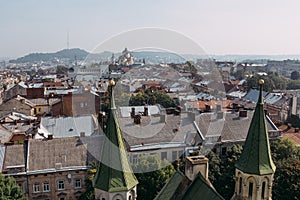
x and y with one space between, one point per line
255 168
114 179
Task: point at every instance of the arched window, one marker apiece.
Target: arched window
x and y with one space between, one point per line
250 191
263 190
118 197
240 185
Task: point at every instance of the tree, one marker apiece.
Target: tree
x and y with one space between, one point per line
89 193
269 85
286 156
152 174
283 149
223 171
293 85
295 75
152 98
9 189
287 179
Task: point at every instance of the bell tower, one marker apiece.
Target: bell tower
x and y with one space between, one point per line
255 169
114 179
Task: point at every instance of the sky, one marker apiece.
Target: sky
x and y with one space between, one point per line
259 27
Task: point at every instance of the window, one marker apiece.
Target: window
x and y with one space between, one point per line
134 159
240 185
174 155
78 183
62 198
263 190
40 109
36 188
60 185
163 155
46 187
250 192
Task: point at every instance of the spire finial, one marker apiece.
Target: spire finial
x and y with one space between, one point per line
111 84
261 82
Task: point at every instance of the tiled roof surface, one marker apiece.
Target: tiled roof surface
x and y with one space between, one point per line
68 126
230 128
153 130
14 156
55 154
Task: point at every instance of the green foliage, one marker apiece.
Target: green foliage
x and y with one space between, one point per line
152 174
287 179
61 70
9 190
295 75
283 149
89 193
293 84
239 74
66 53
269 85
272 82
286 156
152 98
214 167
222 170
294 120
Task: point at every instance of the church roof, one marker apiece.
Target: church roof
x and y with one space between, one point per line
180 187
172 187
256 156
114 172
201 189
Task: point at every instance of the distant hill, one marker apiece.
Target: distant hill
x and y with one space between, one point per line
151 57
63 54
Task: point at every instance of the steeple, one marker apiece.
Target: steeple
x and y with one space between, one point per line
256 157
255 169
114 175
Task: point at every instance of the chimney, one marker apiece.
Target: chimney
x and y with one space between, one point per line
50 137
132 114
146 111
235 106
296 130
194 165
207 108
192 116
137 119
162 118
220 115
218 106
243 113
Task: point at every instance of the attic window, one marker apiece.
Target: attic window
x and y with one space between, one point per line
71 129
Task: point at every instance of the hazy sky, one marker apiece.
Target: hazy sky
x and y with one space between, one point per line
219 26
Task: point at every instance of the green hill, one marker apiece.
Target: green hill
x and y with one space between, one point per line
63 54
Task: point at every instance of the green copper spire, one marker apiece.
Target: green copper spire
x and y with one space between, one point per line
256 157
114 172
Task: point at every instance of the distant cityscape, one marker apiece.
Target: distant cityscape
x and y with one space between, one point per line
78 125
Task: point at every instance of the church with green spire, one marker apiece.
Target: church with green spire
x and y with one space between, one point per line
114 179
255 168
